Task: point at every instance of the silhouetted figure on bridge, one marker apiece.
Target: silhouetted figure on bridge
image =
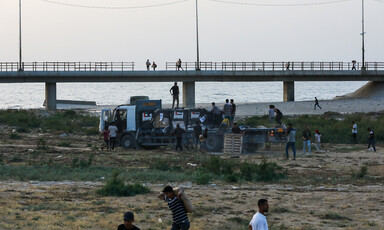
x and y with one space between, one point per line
148 64
154 66
287 65
353 64
178 65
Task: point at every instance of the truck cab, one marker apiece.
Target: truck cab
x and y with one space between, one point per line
129 120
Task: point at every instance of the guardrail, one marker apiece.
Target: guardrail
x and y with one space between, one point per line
189 66
67 66
274 66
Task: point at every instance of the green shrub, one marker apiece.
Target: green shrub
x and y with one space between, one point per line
164 165
160 164
22 130
116 187
76 163
14 136
361 173
41 144
202 177
64 144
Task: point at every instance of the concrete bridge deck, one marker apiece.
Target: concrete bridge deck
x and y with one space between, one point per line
52 73
190 76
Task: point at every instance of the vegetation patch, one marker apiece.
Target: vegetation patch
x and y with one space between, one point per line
116 187
234 171
64 144
361 173
334 216
14 136
68 121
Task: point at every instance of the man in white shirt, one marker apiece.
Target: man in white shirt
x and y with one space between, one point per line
112 135
259 221
354 132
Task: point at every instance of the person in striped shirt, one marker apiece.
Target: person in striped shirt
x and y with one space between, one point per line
176 204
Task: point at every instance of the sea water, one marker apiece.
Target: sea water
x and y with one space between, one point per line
32 95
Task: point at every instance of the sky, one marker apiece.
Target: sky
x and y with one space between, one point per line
236 30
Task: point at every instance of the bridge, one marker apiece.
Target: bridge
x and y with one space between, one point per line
51 73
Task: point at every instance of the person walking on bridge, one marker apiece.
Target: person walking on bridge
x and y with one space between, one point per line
175 93
148 64
178 64
154 66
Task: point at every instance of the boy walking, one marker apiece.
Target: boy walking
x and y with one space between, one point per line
176 204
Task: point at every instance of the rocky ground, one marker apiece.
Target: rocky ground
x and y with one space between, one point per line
321 191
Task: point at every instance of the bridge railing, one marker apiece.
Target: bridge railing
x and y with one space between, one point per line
67 66
273 66
189 66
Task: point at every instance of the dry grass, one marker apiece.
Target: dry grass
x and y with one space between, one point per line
314 187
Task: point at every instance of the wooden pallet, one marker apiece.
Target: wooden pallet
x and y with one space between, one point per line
232 143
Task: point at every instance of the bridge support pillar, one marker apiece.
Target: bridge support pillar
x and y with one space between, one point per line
289 91
50 95
189 95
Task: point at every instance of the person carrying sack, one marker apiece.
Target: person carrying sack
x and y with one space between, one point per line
179 204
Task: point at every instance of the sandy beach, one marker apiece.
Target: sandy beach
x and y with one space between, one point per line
343 106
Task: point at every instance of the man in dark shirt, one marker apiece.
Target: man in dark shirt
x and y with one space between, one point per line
236 129
175 93
128 222
179 137
176 204
197 130
233 110
203 141
371 139
279 115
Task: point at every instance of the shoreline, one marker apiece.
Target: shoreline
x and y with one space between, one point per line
246 109
343 106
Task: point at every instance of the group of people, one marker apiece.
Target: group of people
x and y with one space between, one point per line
179 206
154 65
306 137
109 134
371 136
227 115
148 64
275 115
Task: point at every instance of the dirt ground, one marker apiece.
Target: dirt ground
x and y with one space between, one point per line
319 191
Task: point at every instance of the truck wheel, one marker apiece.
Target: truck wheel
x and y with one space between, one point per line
214 143
128 141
